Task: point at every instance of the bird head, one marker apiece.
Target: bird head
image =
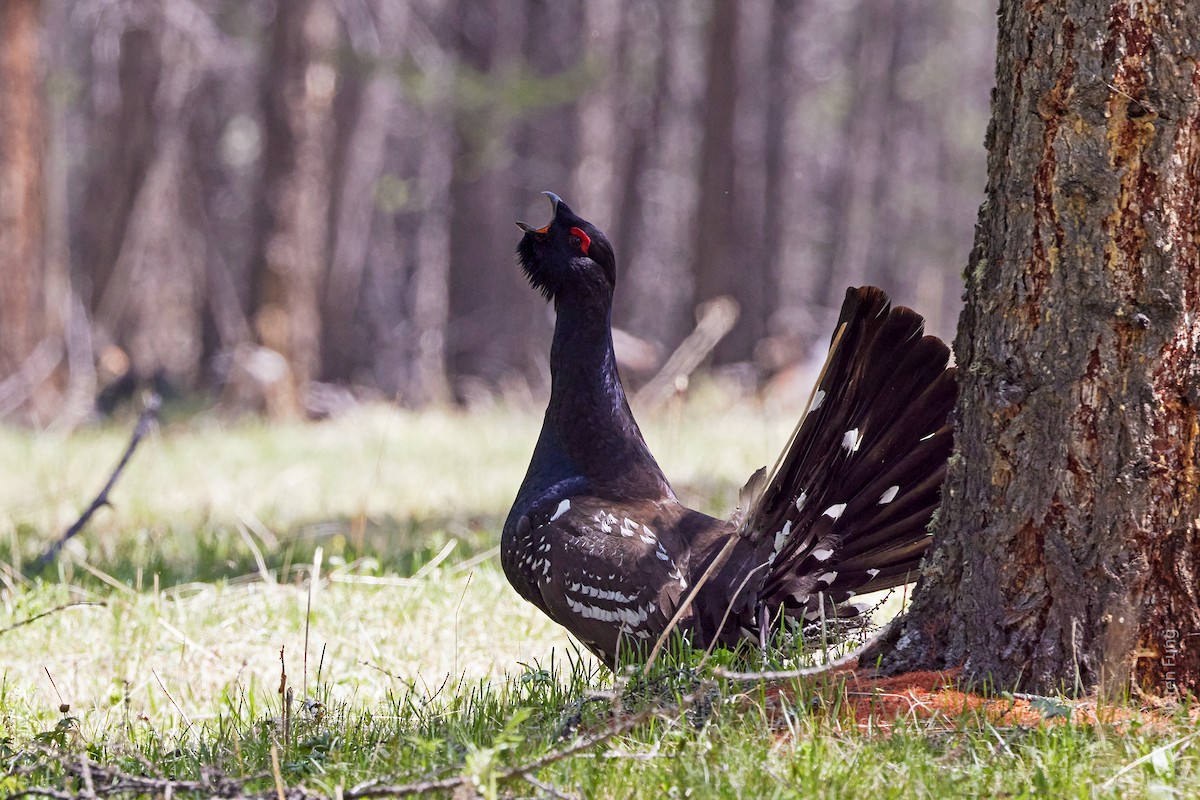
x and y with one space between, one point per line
568 256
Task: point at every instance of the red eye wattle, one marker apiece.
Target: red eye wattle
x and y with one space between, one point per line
585 241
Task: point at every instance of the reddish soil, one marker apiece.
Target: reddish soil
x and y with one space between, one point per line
875 703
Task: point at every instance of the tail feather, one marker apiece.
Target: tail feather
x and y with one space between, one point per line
850 500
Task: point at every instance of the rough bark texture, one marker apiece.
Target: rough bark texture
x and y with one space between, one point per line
363 142
720 267
21 217
298 146
1067 554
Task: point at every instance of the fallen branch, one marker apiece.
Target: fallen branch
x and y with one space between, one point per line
521 771
109 780
148 415
714 320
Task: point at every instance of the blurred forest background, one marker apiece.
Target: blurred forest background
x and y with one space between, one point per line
287 205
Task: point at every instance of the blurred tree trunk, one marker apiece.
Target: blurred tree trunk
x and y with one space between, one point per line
862 167
300 84
1067 551
429 289
363 135
141 248
24 317
655 210
489 336
723 265
778 102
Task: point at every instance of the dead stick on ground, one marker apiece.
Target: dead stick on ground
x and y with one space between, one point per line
149 414
714 320
531 767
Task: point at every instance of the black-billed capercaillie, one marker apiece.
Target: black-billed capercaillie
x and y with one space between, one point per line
598 540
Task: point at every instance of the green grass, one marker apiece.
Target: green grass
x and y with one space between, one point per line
410 659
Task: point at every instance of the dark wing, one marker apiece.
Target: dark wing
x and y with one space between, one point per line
606 574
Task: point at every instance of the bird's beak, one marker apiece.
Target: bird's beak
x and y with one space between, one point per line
555 202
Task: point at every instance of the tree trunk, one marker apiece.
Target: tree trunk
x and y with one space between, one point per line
1067 551
299 103
723 267
346 349
22 300
491 311
429 289
655 217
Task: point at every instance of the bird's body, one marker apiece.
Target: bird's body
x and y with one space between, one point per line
598 540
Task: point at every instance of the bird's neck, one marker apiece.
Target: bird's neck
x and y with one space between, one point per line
590 441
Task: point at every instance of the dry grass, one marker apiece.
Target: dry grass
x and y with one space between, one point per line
382 492
163 626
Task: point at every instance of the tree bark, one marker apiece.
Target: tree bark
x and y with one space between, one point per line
346 350
22 300
723 267
429 288
298 109
1066 555
655 219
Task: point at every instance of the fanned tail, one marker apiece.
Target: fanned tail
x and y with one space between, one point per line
848 505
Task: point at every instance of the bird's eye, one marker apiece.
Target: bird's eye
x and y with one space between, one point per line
580 240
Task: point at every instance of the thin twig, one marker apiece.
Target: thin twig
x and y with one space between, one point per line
314 579
804 672
549 789
1142 760
54 610
55 794
148 415
167 692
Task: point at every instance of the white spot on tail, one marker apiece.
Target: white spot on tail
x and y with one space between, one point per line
822 554
801 500
835 511
889 495
782 537
871 573
827 578
818 399
851 439
563 508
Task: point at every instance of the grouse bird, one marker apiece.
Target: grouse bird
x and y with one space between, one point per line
598 540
